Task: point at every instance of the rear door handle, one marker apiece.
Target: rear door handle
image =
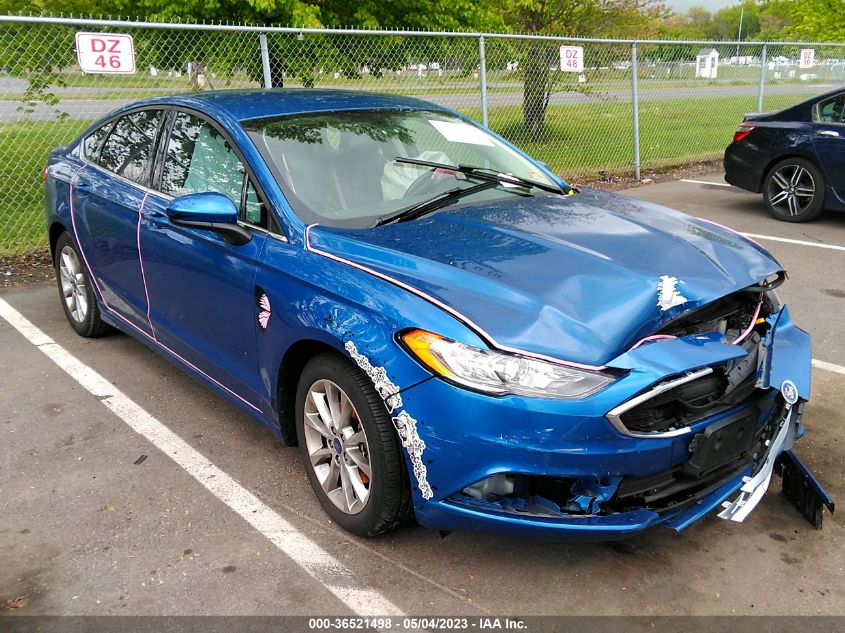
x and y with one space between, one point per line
81 185
827 133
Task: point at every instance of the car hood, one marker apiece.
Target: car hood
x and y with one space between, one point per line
580 278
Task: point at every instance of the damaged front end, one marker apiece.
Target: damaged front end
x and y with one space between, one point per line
722 429
754 448
677 497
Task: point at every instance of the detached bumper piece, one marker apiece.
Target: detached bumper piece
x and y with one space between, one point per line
798 484
755 485
802 490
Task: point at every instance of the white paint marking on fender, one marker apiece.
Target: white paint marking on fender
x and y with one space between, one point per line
706 182
821 364
786 240
313 559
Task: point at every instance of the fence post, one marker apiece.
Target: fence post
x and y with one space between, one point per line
635 99
483 63
265 60
762 79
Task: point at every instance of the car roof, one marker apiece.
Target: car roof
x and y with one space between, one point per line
801 111
257 104
824 95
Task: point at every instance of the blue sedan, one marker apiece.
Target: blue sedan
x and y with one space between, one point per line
444 328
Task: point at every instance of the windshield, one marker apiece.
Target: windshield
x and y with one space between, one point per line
340 168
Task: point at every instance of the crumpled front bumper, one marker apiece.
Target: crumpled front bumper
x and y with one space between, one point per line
468 437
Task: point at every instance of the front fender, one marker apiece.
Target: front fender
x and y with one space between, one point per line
314 298
790 359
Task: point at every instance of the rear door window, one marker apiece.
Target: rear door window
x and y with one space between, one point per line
129 146
831 110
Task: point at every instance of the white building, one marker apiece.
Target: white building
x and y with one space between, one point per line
707 63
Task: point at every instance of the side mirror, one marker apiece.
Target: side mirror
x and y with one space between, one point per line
210 211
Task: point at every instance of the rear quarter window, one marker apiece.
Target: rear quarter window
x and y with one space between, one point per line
91 144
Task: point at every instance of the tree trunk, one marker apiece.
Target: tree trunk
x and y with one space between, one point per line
535 88
277 71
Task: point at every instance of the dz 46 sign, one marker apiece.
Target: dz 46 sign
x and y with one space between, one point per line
572 59
105 53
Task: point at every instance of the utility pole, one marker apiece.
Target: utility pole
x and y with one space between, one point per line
739 35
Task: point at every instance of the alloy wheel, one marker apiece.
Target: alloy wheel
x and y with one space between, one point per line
74 288
791 190
337 446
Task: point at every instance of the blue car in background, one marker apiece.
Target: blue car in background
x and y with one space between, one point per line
795 157
445 328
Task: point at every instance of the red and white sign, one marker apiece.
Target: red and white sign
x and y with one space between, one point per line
807 58
572 59
105 53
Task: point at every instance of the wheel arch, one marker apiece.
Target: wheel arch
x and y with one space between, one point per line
55 231
293 362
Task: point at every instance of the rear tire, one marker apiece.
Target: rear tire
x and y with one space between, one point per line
794 190
75 290
348 433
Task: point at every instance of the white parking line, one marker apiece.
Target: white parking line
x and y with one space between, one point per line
771 238
705 182
787 240
313 559
836 369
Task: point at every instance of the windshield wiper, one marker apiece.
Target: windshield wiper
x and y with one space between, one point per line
489 178
484 173
437 202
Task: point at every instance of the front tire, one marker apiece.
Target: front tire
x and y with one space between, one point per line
76 291
794 190
349 448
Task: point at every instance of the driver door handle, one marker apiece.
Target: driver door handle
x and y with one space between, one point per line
827 133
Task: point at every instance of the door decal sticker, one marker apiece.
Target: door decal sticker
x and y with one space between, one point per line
265 310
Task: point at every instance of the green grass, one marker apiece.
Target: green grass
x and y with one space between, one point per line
423 88
578 142
24 148
79 86
581 140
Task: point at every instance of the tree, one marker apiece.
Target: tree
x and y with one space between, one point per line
41 52
411 14
808 20
676 27
771 25
725 23
698 18
593 18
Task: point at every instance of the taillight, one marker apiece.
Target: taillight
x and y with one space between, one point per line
44 173
743 130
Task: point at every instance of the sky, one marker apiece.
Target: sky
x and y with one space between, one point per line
711 5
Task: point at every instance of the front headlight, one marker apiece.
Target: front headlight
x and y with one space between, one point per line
500 373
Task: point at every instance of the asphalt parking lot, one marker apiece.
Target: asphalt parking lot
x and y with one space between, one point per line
88 527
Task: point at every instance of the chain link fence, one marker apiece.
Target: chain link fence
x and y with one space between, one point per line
636 105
